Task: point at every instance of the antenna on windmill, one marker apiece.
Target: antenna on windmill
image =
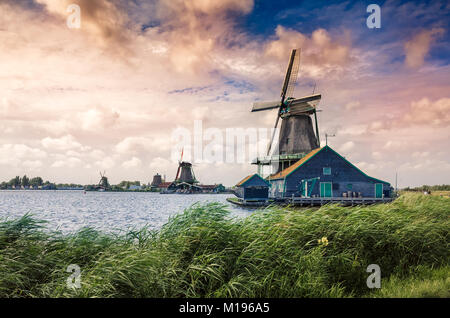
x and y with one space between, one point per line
396 175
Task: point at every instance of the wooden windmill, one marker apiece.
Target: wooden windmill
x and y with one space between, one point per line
103 183
185 173
296 137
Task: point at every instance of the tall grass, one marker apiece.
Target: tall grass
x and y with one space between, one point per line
273 253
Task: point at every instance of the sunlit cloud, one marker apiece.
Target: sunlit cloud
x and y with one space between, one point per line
108 96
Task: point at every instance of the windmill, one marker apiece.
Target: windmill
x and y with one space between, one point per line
296 137
103 183
185 173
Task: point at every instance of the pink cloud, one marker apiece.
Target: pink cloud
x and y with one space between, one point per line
417 48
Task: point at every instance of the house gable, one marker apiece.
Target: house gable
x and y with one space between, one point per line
253 180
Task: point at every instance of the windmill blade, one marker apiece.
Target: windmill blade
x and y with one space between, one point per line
294 75
291 75
307 104
273 134
260 106
178 173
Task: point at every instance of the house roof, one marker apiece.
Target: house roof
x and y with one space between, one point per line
244 180
209 186
290 169
248 178
164 185
284 173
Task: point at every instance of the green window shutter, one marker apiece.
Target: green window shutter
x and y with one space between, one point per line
326 189
378 190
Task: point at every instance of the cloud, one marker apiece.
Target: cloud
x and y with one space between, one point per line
320 54
417 48
98 118
196 29
349 145
14 154
352 105
103 20
106 163
66 142
101 93
32 164
132 163
137 144
71 162
427 112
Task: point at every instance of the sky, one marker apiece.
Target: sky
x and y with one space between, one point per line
110 95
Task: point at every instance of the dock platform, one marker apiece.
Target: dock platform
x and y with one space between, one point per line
302 201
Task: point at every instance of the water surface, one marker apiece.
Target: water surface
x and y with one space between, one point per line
68 211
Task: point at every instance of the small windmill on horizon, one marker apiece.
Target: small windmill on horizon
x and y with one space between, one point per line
297 137
185 173
103 184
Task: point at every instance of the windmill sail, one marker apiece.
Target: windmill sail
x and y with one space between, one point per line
304 105
273 135
294 74
288 87
259 106
181 159
296 133
291 75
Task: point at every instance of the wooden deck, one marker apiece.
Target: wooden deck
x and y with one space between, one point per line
301 201
242 203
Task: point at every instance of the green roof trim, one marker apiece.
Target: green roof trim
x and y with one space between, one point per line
351 164
247 179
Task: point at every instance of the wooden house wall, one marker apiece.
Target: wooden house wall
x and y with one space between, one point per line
342 174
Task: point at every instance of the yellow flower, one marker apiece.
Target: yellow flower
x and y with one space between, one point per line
323 241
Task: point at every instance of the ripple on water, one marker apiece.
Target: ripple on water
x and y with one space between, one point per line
69 211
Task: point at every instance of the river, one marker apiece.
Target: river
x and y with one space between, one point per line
69 211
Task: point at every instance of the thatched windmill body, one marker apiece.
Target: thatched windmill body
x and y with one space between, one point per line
296 137
103 184
185 172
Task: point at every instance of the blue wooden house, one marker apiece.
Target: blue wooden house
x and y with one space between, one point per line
253 188
325 173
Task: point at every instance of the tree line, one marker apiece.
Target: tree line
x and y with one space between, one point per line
428 188
35 182
39 183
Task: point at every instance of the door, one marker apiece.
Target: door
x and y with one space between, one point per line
378 190
326 189
304 188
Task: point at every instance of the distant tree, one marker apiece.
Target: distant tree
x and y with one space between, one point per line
15 181
25 181
36 182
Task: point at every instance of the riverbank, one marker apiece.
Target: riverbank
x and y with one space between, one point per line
277 252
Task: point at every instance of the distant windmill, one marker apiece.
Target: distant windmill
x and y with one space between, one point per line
103 183
185 173
297 136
